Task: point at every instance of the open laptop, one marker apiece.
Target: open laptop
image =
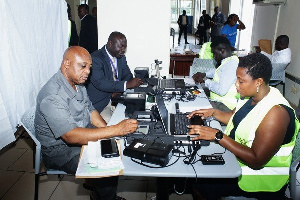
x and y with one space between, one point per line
175 124
171 84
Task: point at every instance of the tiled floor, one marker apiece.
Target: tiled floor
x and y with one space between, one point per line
17 180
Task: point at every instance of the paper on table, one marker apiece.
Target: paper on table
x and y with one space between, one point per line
92 164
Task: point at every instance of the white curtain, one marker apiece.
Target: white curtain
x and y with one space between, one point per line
33 38
245 10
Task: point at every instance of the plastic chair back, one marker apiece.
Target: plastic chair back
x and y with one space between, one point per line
201 65
27 121
278 72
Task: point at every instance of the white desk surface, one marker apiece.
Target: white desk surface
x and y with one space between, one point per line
230 169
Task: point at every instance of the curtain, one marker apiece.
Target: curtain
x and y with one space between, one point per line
33 39
245 10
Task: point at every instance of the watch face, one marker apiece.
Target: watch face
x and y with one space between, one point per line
219 135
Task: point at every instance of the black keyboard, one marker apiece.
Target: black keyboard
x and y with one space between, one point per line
179 123
168 83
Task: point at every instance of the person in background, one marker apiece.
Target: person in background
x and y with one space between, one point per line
203 27
110 74
88 37
65 119
183 24
217 22
282 53
230 29
223 94
261 132
94 12
73 36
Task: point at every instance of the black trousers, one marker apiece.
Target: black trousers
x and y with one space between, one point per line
214 189
103 188
182 29
202 35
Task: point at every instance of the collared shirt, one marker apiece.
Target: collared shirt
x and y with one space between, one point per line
184 21
59 110
116 65
227 76
283 56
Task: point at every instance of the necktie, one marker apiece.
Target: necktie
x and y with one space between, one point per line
114 69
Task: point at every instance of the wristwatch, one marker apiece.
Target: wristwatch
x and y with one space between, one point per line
219 136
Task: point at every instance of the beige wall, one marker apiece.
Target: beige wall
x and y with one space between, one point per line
146 24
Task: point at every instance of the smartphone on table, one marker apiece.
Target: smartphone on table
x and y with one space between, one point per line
109 148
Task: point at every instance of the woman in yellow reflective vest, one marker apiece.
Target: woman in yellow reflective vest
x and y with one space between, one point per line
261 132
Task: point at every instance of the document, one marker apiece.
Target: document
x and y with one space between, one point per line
93 165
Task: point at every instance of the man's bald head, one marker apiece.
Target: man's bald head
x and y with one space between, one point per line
76 65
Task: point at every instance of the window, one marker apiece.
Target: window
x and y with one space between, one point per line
177 6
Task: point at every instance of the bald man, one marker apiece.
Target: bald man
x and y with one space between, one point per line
66 119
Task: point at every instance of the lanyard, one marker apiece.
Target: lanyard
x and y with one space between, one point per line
114 69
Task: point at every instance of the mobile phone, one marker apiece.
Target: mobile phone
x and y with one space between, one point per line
109 148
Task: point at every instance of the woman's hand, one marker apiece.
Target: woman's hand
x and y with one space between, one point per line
203 132
204 113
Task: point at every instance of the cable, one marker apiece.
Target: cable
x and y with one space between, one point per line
180 193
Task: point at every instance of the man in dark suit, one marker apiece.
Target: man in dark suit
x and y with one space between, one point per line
73 36
110 73
88 37
183 24
203 26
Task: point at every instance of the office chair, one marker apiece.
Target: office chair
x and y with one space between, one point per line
278 75
201 65
27 121
172 33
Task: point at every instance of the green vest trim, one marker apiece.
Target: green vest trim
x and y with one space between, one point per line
205 51
231 97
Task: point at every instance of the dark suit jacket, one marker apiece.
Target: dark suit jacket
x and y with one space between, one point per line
179 21
101 84
206 20
74 36
88 38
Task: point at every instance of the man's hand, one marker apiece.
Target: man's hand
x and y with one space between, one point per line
115 93
133 83
127 126
198 77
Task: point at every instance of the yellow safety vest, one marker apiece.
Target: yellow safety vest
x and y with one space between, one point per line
275 174
231 97
205 51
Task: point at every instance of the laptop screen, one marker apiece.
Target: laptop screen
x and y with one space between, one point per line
163 112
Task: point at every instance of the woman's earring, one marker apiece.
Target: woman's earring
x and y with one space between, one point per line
257 89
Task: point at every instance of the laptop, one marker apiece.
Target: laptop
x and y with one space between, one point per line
171 84
175 124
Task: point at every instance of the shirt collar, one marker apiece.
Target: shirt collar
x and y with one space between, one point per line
83 17
110 56
68 88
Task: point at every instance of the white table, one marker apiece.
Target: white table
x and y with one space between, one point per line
230 169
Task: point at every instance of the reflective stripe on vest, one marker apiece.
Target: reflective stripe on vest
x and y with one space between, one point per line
231 97
266 171
205 51
275 174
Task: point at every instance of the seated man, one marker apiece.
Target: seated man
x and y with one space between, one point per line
222 86
282 53
65 120
110 73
